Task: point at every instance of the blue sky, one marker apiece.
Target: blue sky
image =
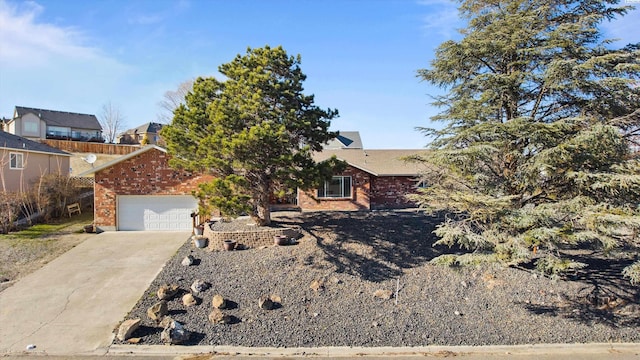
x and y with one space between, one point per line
360 57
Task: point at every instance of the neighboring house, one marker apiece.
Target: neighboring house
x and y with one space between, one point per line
24 161
345 140
35 124
139 191
149 130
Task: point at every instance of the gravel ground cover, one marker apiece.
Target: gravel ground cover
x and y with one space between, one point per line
352 255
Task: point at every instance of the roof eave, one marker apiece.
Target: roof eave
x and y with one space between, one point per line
121 159
37 151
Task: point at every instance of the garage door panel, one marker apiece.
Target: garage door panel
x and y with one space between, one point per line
156 213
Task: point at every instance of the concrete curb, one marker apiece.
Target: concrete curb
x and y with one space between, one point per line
538 349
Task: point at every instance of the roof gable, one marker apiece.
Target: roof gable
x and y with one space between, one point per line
122 158
11 141
61 118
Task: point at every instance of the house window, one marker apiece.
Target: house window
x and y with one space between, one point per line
337 187
15 161
30 127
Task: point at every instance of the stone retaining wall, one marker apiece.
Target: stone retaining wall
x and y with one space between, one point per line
251 239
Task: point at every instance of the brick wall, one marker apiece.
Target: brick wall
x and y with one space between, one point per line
146 174
252 239
360 182
388 192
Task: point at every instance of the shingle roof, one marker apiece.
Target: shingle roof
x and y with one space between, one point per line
11 141
345 140
376 162
61 118
149 127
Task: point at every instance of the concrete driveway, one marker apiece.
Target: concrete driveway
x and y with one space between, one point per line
72 305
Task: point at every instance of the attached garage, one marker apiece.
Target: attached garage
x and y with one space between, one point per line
155 213
140 191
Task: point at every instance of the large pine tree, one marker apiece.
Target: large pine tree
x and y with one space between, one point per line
255 132
534 155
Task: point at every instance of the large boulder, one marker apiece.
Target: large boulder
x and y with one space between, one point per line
158 311
189 300
199 286
188 260
127 328
166 292
218 317
174 333
218 302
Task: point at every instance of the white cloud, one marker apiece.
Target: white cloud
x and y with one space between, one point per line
26 42
50 66
442 19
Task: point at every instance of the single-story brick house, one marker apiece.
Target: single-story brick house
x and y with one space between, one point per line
139 191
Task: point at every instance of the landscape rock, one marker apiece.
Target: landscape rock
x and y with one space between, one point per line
188 260
175 333
166 292
127 328
218 302
199 286
166 321
276 299
317 285
383 294
266 303
218 317
158 311
189 300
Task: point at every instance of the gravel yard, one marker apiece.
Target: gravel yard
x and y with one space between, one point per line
350 256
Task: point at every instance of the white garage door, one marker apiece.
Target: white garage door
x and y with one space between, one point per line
156 213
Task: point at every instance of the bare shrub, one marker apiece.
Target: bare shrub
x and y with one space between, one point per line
50 195
9 210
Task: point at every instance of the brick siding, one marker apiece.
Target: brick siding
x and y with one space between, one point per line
146 174
369 193
359 200
389 192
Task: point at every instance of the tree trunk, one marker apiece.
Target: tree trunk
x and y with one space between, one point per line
263 214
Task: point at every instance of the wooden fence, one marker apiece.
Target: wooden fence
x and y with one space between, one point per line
91 147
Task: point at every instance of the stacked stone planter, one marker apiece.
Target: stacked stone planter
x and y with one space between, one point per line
252 238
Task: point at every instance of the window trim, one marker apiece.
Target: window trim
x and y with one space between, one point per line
342 188
13 162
